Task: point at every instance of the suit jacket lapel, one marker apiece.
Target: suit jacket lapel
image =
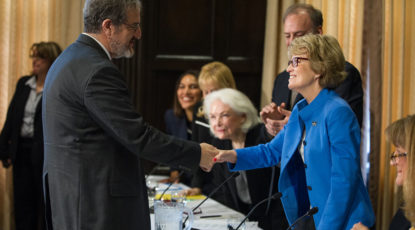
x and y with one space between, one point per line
284 92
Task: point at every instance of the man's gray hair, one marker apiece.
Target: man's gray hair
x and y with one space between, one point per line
96 11
239 103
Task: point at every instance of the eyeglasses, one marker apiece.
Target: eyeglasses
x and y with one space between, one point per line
394 157
133 27
294 61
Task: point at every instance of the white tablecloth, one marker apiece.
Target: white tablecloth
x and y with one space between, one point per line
210 207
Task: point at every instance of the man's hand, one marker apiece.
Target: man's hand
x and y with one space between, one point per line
208 152
275 117
270 111
226 156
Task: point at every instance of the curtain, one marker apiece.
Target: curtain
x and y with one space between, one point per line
398 80
25 22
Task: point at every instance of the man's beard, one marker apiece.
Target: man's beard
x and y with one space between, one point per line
119 50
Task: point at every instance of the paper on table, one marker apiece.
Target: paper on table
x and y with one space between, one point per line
219 224
195 197
210 225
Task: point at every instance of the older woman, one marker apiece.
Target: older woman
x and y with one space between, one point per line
402 135
319 147
21 140
234 122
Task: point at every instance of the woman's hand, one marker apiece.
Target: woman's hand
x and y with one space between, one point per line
359 226
174 178
192 192
225 156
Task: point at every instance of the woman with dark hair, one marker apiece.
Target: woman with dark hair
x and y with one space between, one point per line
179 119
21 140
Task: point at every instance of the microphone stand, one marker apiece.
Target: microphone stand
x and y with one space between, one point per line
310 212
274 196
165 190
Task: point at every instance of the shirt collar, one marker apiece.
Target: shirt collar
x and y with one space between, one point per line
31 82
102 46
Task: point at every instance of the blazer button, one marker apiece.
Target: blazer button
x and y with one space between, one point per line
305 165
309 188
304 143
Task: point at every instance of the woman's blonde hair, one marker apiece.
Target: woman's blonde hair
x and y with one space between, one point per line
325 56
218 74
402 134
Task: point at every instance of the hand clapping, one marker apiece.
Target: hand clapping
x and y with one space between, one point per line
274 117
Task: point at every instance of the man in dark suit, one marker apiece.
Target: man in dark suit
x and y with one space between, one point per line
93 137
301 19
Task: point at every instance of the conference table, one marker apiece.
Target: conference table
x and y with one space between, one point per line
213 215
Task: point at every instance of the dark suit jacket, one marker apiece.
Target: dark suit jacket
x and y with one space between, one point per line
399 221
200 127
9 137
94 140
259 182
175 126
350 90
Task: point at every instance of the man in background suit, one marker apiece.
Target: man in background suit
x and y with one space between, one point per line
93 137
301 19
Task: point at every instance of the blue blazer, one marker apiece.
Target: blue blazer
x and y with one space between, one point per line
330 176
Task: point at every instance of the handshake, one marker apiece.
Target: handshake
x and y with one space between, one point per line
211 155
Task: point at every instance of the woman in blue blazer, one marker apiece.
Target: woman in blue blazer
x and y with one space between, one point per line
319 148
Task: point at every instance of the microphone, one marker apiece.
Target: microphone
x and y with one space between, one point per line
310 212
274 196
233 175
165 190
